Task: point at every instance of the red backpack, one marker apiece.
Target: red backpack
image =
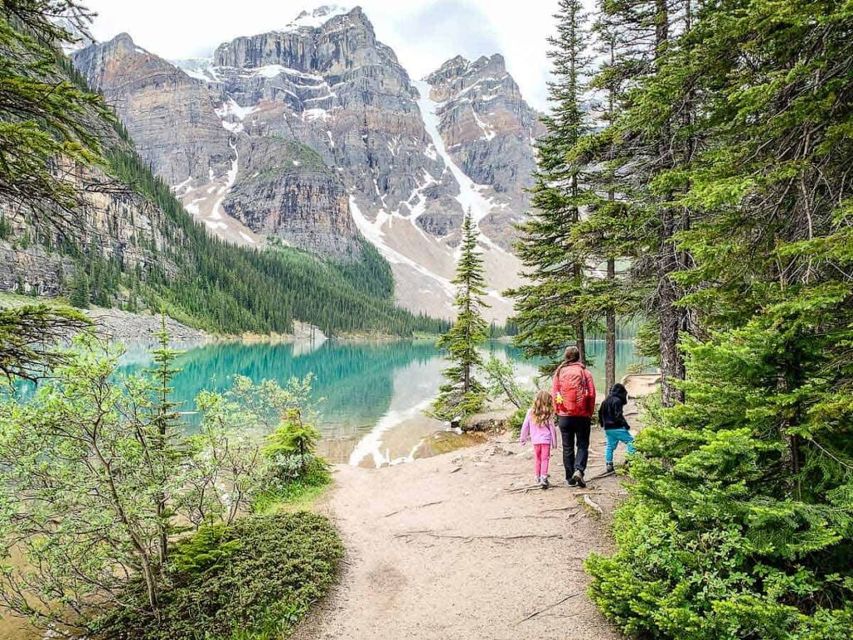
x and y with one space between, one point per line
574 391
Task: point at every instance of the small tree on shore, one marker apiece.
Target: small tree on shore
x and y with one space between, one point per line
462 394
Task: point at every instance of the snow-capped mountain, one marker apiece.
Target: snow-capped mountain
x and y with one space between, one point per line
314 133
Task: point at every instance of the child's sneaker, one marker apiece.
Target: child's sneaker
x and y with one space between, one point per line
609 467
545 483
578 478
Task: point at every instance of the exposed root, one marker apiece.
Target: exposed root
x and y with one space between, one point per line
419 506
592 504
521 536
549 607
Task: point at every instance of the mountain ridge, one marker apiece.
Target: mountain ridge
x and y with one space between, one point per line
315 134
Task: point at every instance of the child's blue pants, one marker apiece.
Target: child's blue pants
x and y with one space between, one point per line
614 437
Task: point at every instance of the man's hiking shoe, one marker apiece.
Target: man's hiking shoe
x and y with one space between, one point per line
571 482
578 479
609 468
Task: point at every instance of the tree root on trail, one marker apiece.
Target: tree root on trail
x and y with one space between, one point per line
592 504
530 487
569 508
520 536
602 475
549 607
419 506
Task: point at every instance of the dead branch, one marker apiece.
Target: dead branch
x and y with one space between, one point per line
549 607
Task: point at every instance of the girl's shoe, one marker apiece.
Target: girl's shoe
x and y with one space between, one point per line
545 483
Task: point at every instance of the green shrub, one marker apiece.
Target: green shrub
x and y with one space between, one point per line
251 580
740 517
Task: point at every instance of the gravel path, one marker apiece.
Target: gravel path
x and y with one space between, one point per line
453 547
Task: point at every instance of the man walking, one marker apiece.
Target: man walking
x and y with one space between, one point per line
574 403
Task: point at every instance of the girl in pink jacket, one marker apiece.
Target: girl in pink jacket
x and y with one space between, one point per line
539 428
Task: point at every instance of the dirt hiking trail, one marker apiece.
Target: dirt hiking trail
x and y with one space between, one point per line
454 548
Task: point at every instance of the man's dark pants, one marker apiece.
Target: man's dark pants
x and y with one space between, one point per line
571 428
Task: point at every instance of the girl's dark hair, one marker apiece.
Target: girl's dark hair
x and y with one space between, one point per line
570 356
619 390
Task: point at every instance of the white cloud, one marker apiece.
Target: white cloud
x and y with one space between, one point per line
423 33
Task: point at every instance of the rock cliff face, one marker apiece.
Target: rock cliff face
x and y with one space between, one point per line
315 133
169 115
488 130
122 227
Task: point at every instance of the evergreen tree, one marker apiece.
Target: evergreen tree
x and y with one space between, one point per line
551 310
167 426
80 289
5 227
463 394
739 521
46 121
605 234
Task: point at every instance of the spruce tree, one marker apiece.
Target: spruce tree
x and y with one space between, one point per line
166 424
605 233
739 520
462 394
47 122
551 310
80 295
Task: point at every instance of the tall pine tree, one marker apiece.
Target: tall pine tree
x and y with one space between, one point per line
551 310
739 520
462 394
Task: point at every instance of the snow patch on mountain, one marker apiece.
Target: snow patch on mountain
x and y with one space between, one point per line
316 18
470 196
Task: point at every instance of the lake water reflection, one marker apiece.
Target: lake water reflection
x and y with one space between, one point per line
371 395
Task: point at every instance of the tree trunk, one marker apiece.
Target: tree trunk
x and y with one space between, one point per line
671 317
610 335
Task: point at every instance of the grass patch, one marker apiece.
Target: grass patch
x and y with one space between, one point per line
8 300
296 495
253 580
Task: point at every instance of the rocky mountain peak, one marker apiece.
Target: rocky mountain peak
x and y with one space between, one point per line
314 134
319 16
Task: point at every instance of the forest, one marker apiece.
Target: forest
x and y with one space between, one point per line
696 176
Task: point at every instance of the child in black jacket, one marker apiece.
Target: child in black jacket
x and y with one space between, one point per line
615 426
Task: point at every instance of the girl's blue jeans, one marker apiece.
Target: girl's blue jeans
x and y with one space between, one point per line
614 437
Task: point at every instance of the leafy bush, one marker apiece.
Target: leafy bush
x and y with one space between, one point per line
255 578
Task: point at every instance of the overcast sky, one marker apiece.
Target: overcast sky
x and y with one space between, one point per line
424 33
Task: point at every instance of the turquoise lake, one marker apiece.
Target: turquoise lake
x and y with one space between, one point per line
373 395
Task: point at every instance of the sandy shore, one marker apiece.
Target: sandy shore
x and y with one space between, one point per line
454 547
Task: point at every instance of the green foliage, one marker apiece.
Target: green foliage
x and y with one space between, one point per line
294 437
28 334
254 579
289 487
548 315
80 290
44 119
101 477
462 394
209 548
741 513
5 227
